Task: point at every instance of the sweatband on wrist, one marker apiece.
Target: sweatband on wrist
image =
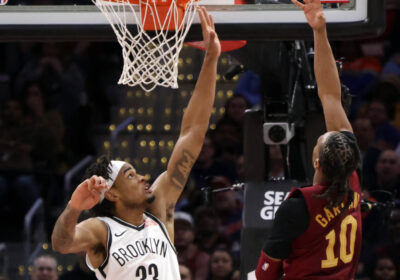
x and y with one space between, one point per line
268 269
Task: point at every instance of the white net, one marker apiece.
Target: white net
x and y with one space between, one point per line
150 58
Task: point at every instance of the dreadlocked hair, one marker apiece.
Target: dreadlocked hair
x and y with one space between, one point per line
101 168
338 156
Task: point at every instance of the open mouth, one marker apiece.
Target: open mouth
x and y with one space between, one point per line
147 188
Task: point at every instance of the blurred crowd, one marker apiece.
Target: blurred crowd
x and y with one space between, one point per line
52 95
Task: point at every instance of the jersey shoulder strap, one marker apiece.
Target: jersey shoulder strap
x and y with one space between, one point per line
162 227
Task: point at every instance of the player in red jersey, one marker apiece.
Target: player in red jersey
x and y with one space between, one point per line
316 233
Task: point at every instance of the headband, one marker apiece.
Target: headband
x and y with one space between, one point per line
115 166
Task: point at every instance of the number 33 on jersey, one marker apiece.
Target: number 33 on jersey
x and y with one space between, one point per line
142 252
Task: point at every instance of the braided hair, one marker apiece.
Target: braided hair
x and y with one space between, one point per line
101 168
339 156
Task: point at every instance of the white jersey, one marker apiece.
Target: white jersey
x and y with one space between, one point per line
142 252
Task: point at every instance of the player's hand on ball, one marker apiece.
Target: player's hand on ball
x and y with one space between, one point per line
210 37
313 12
87 194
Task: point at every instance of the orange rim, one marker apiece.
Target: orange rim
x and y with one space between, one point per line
162 7
226 46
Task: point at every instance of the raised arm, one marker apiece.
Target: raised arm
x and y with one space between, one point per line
326 73
195 119
70 237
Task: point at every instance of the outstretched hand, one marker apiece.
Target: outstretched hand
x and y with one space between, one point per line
87 194
313 12
210 37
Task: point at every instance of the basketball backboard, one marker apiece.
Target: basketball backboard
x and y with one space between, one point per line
235 19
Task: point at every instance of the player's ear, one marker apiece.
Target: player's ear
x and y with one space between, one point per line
316 163
111 195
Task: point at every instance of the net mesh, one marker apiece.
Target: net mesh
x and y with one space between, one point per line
150 58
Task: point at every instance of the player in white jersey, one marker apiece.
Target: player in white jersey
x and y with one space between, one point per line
145 250
131 235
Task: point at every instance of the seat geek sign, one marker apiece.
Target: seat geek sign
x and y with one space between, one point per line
272 201
263 200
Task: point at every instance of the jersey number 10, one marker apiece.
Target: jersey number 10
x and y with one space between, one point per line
346 257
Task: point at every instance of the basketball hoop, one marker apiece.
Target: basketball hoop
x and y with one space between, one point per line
151 50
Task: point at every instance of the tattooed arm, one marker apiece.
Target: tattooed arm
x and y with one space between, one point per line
90 235
170 184
196 118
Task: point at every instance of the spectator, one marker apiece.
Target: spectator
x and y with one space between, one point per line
45 268
360 72
47 125
387 173
388 90
364 133
229 210
207 166
249 86
16 139
80 270
189 253
228 140
64 83
388 242
385 243
369 153
18 189
185 272
221 266
48 144
387 136
390 87
384 269
392 66
207 229
235 108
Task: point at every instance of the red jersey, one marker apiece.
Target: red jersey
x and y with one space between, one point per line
330 247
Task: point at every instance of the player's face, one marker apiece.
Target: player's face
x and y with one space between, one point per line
132 187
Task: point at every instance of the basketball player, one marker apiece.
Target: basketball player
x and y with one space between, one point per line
131 237
317 231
